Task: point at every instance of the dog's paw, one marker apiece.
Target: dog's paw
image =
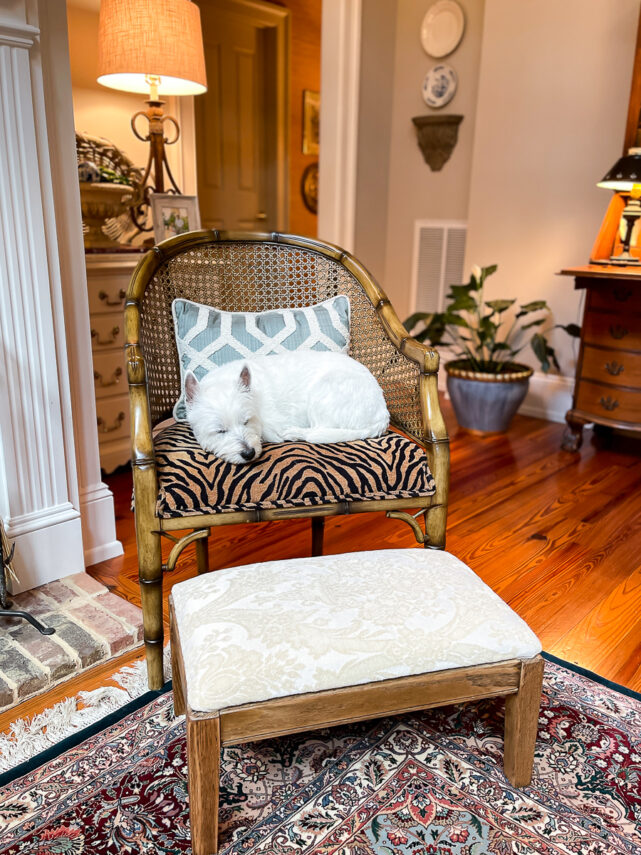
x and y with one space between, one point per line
290 435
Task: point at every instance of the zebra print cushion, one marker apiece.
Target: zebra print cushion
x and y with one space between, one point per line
287 474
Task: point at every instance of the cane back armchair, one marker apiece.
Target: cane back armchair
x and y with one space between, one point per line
250 272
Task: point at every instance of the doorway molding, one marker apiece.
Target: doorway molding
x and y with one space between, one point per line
277 18
340 85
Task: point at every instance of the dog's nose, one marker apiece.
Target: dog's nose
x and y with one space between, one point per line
248 454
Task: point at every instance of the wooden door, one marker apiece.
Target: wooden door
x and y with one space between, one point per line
236 120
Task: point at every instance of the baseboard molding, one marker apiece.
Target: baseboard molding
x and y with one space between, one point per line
48 553
98 524
549 396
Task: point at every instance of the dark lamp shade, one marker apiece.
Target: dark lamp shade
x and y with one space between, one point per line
625 173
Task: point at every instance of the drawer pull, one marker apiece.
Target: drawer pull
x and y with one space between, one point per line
614 368
115 378
622 293
617 331
102 427
104 297
104 341
609 403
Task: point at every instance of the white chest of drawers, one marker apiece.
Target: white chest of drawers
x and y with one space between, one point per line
108 276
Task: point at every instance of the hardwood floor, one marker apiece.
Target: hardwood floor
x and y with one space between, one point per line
556 535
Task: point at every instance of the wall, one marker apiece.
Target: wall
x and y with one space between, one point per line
552 103
304 74
415 192
378 28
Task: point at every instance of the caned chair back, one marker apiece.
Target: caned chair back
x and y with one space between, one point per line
253 273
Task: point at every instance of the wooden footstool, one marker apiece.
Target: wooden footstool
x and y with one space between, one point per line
284 646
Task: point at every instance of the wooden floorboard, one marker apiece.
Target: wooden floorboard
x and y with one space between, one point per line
557 535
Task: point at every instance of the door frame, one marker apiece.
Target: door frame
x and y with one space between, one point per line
340 92
266 15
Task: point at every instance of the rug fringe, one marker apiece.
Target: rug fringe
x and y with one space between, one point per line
29 736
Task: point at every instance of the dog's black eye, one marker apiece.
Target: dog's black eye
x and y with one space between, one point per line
246 421
221 431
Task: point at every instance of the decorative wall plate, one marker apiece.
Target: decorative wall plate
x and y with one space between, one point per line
439 86
442 28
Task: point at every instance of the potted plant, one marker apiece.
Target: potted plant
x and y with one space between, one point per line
485 383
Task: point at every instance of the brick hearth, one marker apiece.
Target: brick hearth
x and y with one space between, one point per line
92 625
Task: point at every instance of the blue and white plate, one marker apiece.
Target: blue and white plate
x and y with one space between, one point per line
439 86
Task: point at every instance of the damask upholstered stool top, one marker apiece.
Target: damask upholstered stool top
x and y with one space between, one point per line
289 627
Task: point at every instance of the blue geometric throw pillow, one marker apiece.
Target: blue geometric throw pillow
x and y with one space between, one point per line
207 337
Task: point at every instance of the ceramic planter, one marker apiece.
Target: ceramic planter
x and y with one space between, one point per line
486 402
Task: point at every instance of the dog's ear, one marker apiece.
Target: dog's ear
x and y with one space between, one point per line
191 387
245 378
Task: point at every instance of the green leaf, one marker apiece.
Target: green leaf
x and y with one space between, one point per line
534 306
536 323
463 303
500 305
488 271
540 348
411 322
459 290
501 345
571 329
457 321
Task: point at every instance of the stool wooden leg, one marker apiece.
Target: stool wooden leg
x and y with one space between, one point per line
202 555
318 530
521 723
176 671
203 762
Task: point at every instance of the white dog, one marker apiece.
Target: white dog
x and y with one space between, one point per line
301 395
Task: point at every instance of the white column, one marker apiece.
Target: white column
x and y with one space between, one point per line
340 74
40 500
95 499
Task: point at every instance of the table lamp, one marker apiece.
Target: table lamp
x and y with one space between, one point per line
154 47
625 177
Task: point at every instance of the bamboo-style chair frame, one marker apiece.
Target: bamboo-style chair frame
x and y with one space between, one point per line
245 271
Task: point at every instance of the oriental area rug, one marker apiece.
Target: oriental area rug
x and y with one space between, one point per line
423 783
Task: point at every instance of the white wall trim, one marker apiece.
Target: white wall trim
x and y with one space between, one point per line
340 77
18 35
549 396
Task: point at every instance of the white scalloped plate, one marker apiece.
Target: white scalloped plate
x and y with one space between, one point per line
442 28
439 86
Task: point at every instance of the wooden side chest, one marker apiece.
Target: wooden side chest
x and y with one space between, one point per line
108 276
607 390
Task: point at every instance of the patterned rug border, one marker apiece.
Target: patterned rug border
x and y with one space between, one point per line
591 675
75 739
141 701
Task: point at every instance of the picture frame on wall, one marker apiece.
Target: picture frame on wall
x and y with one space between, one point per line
311 122
173 214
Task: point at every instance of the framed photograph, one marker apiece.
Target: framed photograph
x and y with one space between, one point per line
311 122
174 215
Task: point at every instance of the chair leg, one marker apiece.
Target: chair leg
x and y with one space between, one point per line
435 521
176 676
202 555
150 576
521 723
318 531
203 762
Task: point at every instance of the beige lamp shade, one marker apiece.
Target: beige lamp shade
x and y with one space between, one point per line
138 39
